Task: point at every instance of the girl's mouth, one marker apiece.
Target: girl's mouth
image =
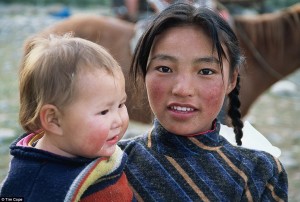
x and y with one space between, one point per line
182 109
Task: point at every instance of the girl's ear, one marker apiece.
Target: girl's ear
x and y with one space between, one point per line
50 119
232 81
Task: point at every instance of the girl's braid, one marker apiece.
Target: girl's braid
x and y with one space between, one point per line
234 112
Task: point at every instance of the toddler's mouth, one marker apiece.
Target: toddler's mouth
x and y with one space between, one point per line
113 140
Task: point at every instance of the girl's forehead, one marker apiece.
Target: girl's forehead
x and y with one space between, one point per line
184 38
186 32
183 33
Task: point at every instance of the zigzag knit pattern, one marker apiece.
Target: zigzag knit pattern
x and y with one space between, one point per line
92 173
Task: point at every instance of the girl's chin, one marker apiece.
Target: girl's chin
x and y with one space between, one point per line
186 129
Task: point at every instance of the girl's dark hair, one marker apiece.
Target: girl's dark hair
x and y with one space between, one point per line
215 27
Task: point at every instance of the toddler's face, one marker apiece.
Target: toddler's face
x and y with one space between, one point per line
97 118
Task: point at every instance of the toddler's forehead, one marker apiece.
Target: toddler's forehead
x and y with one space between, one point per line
99 72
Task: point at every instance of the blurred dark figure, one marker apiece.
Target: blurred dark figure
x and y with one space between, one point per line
132 10
135 10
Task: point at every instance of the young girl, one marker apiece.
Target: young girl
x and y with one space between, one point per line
189 59
72 95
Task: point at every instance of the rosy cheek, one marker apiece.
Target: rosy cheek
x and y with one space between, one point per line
98 136
155 90
214 98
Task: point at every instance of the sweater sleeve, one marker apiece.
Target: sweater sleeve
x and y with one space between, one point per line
276 188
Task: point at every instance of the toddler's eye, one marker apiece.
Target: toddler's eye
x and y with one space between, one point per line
104 112
164 69
121 105
206 72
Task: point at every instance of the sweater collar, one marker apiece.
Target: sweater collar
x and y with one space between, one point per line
170 144
20 148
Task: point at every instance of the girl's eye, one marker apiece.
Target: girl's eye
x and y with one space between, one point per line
206 72
104 112
164 69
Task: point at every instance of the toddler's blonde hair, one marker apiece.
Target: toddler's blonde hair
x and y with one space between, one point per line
49 69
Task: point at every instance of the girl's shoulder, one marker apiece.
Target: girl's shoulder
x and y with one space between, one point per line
253 161
129 144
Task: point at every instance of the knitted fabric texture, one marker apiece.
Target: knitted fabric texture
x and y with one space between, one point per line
166 167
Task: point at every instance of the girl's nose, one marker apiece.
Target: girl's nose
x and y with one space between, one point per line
183 86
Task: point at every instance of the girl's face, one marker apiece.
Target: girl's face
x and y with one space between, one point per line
184 80
97 118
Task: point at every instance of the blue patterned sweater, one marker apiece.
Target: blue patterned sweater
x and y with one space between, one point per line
166 167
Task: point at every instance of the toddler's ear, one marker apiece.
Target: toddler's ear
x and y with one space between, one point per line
50 118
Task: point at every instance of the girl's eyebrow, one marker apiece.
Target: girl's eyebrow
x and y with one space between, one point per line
163 57
207 59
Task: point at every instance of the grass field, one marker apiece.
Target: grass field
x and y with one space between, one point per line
276 116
